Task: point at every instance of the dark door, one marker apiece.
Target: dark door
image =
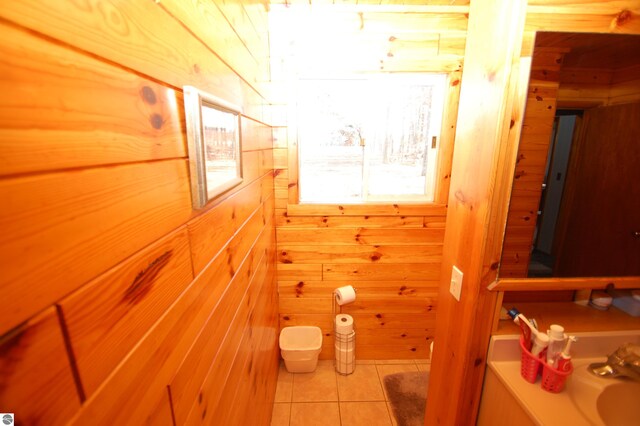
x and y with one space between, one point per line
600 213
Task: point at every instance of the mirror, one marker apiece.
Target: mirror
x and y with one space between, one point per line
575 203
213 136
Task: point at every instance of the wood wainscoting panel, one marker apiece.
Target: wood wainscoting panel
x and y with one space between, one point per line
36 381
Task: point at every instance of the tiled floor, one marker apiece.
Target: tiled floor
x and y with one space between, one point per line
327 398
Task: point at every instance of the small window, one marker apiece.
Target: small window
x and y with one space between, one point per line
373 140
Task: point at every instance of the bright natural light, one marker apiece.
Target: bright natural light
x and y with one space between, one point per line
369 140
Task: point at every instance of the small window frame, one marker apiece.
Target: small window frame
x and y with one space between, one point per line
203 186
293 206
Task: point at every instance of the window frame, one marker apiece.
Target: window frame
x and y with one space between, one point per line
382 208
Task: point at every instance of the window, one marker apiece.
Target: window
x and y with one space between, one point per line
371 140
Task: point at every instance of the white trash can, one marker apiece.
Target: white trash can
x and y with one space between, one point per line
300 347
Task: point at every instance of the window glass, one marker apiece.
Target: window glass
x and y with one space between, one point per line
369 140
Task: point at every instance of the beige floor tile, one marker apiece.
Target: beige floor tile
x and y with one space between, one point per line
284 387
317 386
281 414
315 414
384 370
364 414
422 361
363 385
365 361
394 361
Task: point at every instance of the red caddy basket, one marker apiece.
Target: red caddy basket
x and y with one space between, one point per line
553 380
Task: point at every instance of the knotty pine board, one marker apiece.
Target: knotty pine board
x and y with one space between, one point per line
208 21
365 304
283 220
127 33
208 231
49 118
386 290
381 272
359 254
385 335
255 135
373 236
219 337
242 379
262 321
142 122
137 383
437 210
108 316
36 381
63 229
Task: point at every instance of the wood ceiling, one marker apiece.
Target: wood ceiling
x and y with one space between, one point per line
362 38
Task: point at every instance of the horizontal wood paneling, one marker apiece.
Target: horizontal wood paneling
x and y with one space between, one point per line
157 359
208 21
36 381
63 126
93 218
221 327
434 210
348 236
108 316
127 34
97 219
285 220
324 289
210 230
359 254
392 261
382 333
409 272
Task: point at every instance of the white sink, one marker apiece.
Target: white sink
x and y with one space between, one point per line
604 400
587 399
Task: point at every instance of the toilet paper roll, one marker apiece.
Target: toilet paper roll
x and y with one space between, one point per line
344 324
344 295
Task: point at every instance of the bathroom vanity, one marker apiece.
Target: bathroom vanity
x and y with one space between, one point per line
586 400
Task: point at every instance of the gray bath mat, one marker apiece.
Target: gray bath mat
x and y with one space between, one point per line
407 394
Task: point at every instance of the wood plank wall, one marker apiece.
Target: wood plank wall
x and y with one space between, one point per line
390 253
122 303
589 87
393 261
459 359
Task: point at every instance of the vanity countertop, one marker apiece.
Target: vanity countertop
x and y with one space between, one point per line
575 405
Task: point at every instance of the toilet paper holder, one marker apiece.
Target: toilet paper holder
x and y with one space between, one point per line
344 344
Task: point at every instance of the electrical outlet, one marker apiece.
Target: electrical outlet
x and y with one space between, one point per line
456 282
